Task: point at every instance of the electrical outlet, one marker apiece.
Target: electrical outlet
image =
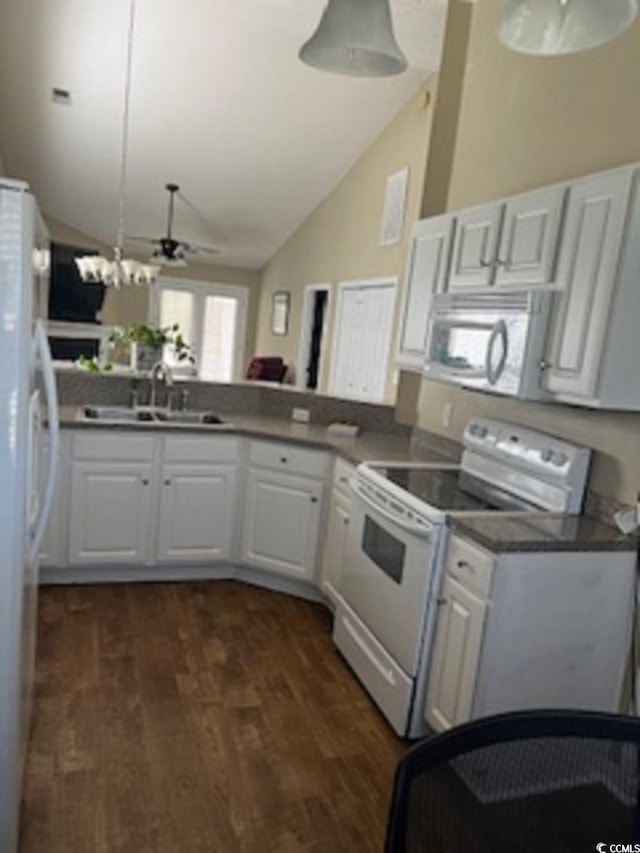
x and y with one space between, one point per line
447 414
303 416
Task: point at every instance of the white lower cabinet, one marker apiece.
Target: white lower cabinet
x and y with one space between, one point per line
524 630
337 532
282 522
141 499
455 656
110 513
196 513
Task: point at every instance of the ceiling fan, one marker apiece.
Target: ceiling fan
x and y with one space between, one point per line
168 250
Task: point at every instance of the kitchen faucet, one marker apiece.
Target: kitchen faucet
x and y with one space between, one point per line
159 371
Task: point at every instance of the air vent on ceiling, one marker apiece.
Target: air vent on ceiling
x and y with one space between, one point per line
61 96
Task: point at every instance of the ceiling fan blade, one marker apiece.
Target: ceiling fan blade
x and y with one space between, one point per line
137 239
196 248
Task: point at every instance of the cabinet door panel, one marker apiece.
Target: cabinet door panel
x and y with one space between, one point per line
110 513
427 269
335 547
455 656
474 246
281 523
530 238
196 513
586 273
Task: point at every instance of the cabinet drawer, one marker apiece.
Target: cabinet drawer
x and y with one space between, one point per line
190 448
289 458
389 685
113 446
471 566
343 471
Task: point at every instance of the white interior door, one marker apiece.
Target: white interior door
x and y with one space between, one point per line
364 327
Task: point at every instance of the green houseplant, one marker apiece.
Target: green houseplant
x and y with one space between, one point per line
150 342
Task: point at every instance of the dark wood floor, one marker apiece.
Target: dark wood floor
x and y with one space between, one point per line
216 717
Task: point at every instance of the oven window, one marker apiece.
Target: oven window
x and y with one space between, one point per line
385 550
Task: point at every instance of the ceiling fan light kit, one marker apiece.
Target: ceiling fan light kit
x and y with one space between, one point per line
355 37
558 27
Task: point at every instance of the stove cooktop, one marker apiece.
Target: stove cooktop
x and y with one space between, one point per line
454 490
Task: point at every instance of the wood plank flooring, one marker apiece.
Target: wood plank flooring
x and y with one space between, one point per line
217 717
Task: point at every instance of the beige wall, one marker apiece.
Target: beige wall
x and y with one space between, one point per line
525 122
339 240
131 304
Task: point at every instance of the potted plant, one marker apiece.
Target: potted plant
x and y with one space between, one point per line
149 343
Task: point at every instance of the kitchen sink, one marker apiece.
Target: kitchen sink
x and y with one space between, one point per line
122 414
188 418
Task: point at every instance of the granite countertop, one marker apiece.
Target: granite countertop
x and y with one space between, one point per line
368 445
545 532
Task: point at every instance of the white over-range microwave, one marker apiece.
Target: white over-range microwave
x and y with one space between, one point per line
490 341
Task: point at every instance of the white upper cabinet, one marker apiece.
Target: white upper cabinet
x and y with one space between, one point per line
426 273
474 246
598 287
529 238
508 243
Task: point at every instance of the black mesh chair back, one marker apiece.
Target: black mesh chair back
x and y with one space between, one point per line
527 782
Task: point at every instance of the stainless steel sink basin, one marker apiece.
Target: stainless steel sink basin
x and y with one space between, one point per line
119 414
122 414
188 418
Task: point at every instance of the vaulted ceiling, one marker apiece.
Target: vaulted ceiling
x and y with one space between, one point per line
220 104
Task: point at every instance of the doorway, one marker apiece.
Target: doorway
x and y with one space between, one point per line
314 323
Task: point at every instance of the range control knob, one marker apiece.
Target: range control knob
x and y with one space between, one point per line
546 454
478 430
559 459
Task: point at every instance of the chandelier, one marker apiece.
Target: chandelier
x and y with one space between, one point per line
120 270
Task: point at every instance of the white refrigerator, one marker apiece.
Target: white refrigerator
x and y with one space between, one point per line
27 397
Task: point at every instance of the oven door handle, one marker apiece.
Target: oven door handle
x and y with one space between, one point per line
421 530
387 674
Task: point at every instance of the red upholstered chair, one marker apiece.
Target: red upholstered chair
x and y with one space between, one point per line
267 369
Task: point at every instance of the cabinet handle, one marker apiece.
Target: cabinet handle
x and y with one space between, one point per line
283 459
545 365
462 564
501 263
314 500
145 482
484 263
441 601
346 521
167 482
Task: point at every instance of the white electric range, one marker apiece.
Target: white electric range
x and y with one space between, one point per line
398 535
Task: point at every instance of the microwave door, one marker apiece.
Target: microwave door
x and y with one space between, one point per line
463 349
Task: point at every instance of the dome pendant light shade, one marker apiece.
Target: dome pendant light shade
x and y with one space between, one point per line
556 27
355 37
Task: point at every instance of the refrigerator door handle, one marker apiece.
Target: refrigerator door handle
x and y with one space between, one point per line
41 347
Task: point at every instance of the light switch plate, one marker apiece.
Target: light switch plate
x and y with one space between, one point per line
303 416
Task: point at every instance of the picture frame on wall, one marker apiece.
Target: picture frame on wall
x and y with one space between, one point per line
280 312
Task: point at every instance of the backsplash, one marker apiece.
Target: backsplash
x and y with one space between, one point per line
76 388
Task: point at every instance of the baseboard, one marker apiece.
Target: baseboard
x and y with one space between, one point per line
50 576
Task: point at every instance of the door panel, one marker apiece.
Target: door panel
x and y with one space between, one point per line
196 513
281 523
474 246
586 273
455 656
110 513
428 265
530 238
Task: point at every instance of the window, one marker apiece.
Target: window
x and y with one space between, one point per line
212 318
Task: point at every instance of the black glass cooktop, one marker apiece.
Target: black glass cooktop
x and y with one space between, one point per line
452 489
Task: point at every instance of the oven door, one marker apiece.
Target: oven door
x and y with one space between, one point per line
389 571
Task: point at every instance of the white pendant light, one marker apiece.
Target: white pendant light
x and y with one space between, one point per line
119 271
355 37
556 27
